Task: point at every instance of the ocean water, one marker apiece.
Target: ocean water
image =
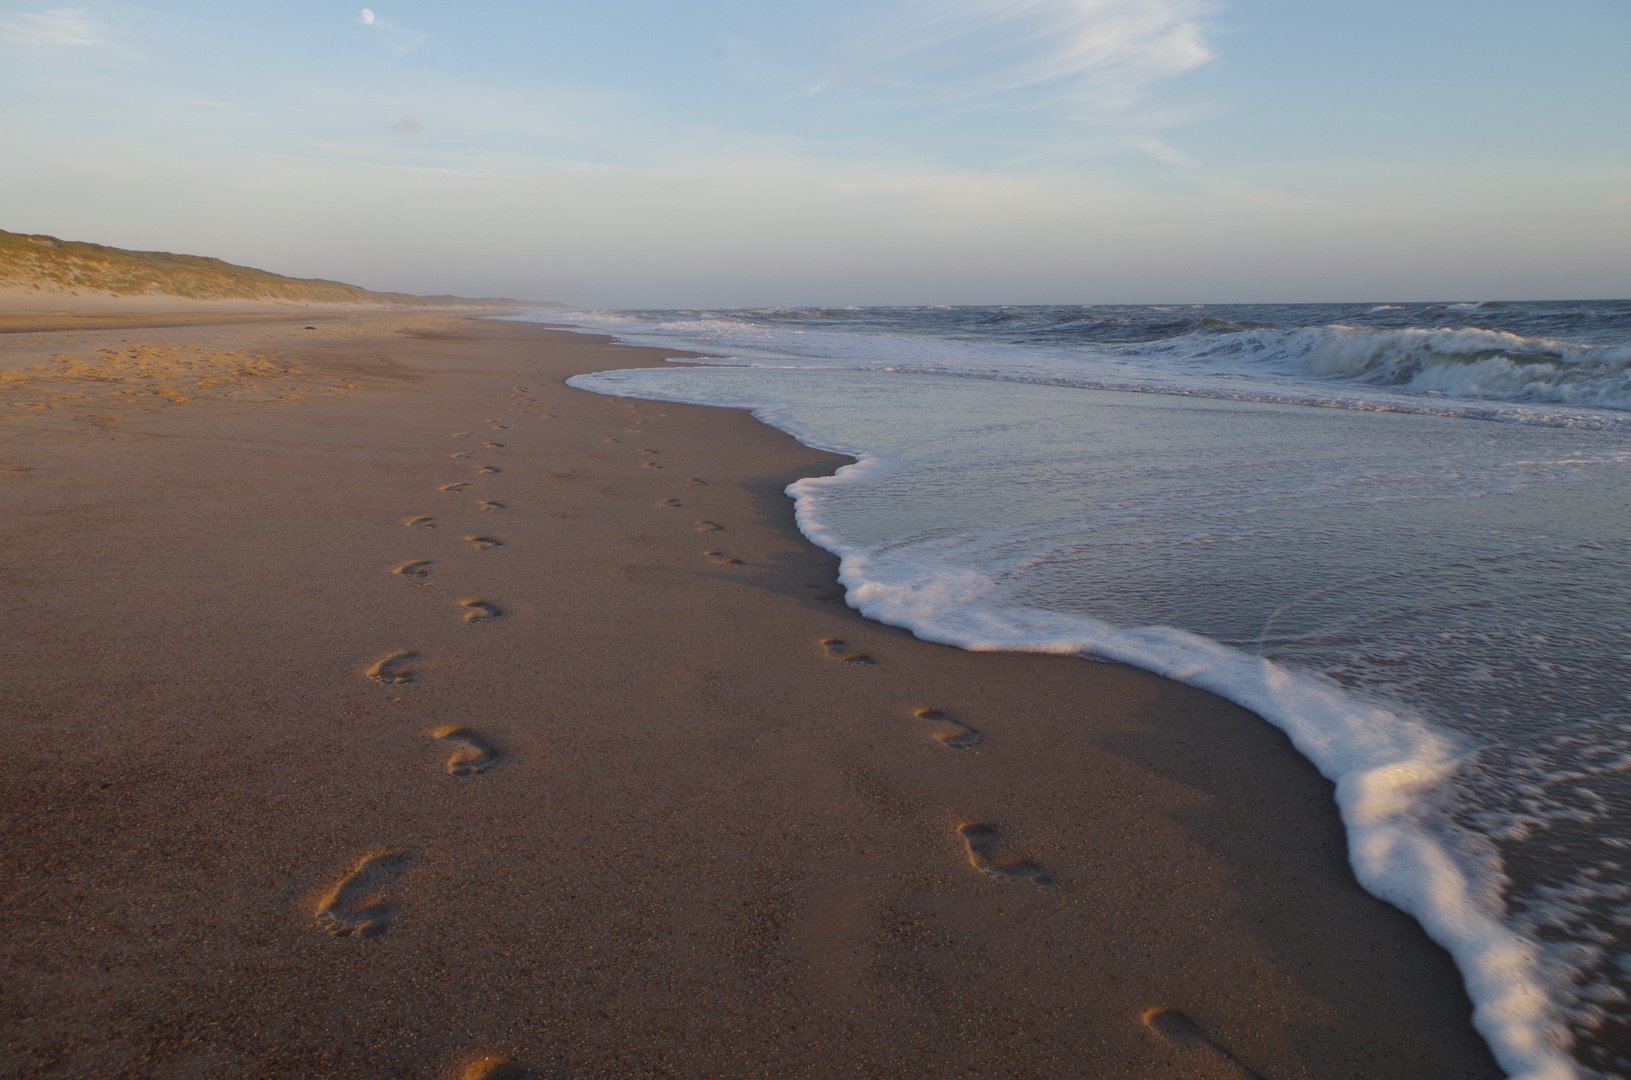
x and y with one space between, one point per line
1401 533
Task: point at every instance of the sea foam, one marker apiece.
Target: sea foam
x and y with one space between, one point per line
1432 609
1391 767
1460 371
1386 765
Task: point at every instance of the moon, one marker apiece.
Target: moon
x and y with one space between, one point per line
367 16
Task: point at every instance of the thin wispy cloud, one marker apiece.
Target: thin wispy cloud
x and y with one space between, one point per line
399 39
1160 151
1102 55
59 26
959 145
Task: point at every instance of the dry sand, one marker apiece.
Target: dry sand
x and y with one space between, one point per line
608 806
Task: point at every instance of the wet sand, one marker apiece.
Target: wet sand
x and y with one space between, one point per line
400 711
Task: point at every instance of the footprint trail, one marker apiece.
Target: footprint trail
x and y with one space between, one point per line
983 841
948 731
839 649
492 1068
478 610
1181 1030
354 906
393 668
471 755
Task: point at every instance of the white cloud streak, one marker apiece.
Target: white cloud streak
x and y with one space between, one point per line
59 26
1160 151
1101 54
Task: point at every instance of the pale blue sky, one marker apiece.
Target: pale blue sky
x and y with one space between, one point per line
736 153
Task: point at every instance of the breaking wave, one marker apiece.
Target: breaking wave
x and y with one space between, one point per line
1556 365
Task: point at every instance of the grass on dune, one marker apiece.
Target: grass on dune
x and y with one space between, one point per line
48 264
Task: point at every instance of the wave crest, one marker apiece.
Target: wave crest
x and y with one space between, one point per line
1452 362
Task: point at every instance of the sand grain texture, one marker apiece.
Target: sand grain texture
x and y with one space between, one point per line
714 844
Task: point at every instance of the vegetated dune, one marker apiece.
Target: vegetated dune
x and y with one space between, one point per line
44 274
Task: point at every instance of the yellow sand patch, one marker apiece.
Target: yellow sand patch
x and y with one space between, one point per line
157 370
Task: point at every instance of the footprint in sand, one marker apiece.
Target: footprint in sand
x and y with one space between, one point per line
1182 1031
414 568
840 650
671 504
491 1068
476 610
484 542
453 487
420 523
472 754
652 465
709 526
650 451
488 504
821 595
949 732
488 470
494 445
614 440
354 905
462 453
691 481
983 841
721 557
497 427
393 668
462 434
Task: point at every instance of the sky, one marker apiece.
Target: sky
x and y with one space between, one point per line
746 153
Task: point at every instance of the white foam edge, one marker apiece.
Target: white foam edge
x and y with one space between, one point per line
1383 762
1436 393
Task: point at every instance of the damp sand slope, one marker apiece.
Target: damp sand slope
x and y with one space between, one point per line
419 716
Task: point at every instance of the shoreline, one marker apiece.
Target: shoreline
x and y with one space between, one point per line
709 848
908 562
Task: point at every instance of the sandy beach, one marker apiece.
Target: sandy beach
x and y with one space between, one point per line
379 706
